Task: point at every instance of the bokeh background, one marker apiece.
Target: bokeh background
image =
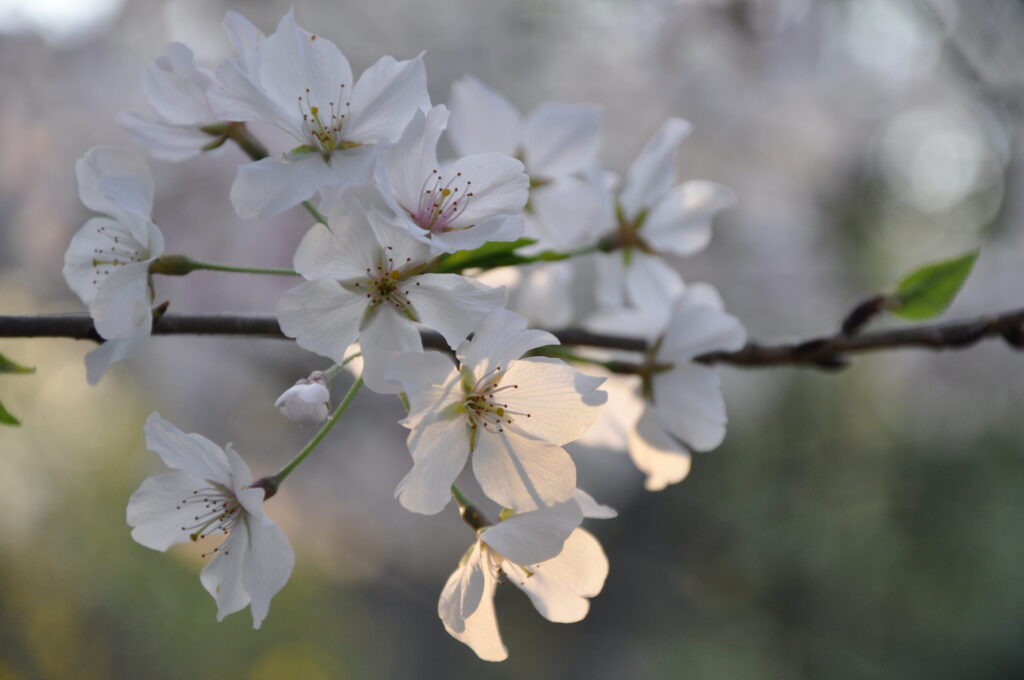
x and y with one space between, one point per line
867 524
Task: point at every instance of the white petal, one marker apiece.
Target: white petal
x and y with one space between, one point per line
591 508
521 472
431 383
625 321
559 588
244 36
342 252
191 453
497 228
110 352
531 537
451 304
384 100
699 325
610 272
482 119
156 511
689 404
112 180
663 459
562 402
165 142
653 285
294 64
385 335
322 316
411 160
176 89
541 293
305 404
653 173
439 452
568 213
480 630
80 267
222 577
237 97
559 139
500 338
500 186
680 223
464 589
121 307
267 566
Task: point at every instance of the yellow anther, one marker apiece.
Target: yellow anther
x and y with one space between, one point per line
446 192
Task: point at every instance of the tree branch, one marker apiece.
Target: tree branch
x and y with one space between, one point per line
826 352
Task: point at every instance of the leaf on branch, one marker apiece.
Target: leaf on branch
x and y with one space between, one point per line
6 418
929 290
487 256
8 366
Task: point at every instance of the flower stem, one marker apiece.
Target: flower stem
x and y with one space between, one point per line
179 265
332 372
242 270
317 215
471 515
318 437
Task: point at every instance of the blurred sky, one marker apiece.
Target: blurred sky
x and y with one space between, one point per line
859 525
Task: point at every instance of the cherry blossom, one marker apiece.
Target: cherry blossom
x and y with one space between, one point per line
209 494
306 402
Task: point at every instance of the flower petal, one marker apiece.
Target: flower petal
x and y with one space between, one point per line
384 100
385 335
592 509
165 142
464 589
653 173
243 36
559 588
156 511
482 119
689 404
410 162
680 223
176 89
431 383
568 213
560 139
110 352
521 472
121 307
653 285
267 566
480 630
500 338
112 180
439 451
452 305
322 316
500 186
531 537
497 228
237 97
699 325
191 453
562 402
342 252
663 459
222 577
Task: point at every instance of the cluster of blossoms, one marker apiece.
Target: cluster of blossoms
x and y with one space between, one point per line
405 244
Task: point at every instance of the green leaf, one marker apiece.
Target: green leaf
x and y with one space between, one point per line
487 256
929 290
8 366
6 418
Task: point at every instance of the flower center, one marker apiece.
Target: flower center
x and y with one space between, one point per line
484 405
116 250
322 127
216 512
442 202
387 283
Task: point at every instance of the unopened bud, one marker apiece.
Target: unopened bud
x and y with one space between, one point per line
305 402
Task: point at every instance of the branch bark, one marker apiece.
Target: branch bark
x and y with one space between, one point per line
830 352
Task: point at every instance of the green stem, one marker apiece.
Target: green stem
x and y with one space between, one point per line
559 352
332 372
210 266
317 215
180 265
318 437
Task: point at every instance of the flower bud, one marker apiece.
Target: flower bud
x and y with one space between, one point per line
305 402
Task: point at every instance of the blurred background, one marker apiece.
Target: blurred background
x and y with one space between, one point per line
866 524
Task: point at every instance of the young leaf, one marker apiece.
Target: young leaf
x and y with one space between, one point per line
8 366
6 418
929 290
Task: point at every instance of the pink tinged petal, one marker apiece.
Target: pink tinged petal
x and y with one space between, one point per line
243 36
322 316
499 187
700 325
294 64
499 339
681 222
410 162
536 536
395 233
653 173
592 509
112 180
451 304
688 401
431 383
384 100
562 403
176 89
439 452
121 307
191 453
156 513
272 185
173 143
384 336
464 589
482 119
479 631
222 577
521 472
237 97
653 285
559 588
560 139
661 458
343 252
110 352
267 566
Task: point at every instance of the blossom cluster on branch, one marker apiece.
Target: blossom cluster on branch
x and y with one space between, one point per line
477 248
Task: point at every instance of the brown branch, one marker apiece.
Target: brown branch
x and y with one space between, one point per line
826 352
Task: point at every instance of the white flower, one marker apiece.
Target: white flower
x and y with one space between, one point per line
107 262
655 216
458 206
302 83
558 144
365 279
686 411
306 402
543 553
208 494
512 414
